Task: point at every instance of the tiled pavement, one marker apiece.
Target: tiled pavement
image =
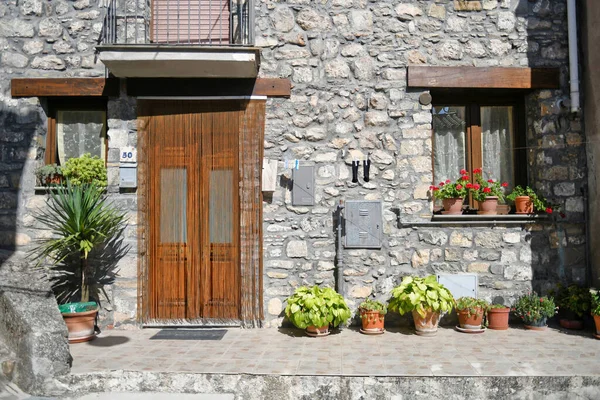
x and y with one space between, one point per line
398 352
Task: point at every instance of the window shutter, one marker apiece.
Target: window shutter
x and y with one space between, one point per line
190 21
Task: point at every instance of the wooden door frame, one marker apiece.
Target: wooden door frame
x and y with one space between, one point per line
251 139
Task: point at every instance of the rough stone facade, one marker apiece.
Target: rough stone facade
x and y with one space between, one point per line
347 61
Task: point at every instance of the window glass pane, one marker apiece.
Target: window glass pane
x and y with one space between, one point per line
449 149
173 205
220 206
80 132
497 142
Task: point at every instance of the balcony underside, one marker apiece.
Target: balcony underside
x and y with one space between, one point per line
163 61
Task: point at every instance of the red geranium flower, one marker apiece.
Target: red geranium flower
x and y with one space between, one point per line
465 177
463 171
458 187
504 184
476 186
469 185
431 187
548 210
490 181
435 189
487 190
441 183
477 171
448 181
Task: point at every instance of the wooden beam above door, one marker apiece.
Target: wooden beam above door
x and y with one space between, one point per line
53 87
179 87
483 78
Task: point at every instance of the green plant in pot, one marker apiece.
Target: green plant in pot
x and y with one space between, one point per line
372 315
451 193
426 298
315 309
573 303
50 174
595 310
527 201
470 312
534 310
85 169
497 317
81 220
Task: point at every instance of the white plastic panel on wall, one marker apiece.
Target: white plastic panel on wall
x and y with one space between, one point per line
459 285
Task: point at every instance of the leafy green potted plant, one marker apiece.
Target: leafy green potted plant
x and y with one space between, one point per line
452 193
534 310
497 317
50 174
85 169
487 192
527 201
372 315
315 309
596 310
426 298
573 303
81 220
470 312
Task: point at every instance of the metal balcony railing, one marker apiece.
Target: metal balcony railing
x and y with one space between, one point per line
179 22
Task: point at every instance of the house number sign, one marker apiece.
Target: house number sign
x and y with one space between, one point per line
128 155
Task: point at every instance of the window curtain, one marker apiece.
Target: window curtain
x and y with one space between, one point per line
497 142
80 132
449 142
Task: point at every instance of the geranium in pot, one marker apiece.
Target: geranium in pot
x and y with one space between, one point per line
50 174
315 309
372 315
470 313
596 310
451 193
487 193
534 310
81 220
497 317
573 303
527 201
426 298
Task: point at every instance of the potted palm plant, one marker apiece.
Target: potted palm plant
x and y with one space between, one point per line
426 298
527 201
81 220
372 315
535 310
315 309
451 193
487 192
470 313
596 310
497 317
573 303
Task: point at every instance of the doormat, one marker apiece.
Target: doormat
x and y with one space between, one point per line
189 334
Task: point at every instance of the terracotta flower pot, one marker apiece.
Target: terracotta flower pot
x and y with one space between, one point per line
472 321
81 325
498 318
536 325
597 321
317 331
372 321
488 206
523 205
576 324
53 180
427 326
453 206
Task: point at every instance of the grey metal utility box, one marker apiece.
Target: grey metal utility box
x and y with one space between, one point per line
363 224
128 175
303 189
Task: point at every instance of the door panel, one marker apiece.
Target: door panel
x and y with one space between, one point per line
193 210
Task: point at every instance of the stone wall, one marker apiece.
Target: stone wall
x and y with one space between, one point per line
347 61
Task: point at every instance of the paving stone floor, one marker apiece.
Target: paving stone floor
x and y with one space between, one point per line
398 352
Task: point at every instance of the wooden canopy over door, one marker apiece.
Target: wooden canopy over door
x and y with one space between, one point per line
200 256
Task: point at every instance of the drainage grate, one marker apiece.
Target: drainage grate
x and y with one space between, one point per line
190 334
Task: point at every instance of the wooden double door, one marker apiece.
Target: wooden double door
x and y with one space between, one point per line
193 209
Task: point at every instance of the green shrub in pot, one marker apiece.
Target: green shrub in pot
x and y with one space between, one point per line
316 307
85 169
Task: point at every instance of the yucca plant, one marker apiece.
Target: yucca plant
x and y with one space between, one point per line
81 220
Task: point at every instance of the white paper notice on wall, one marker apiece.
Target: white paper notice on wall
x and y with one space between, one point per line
128 154
269 175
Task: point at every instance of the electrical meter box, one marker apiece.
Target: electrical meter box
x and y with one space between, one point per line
128 175
303 188
363 224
